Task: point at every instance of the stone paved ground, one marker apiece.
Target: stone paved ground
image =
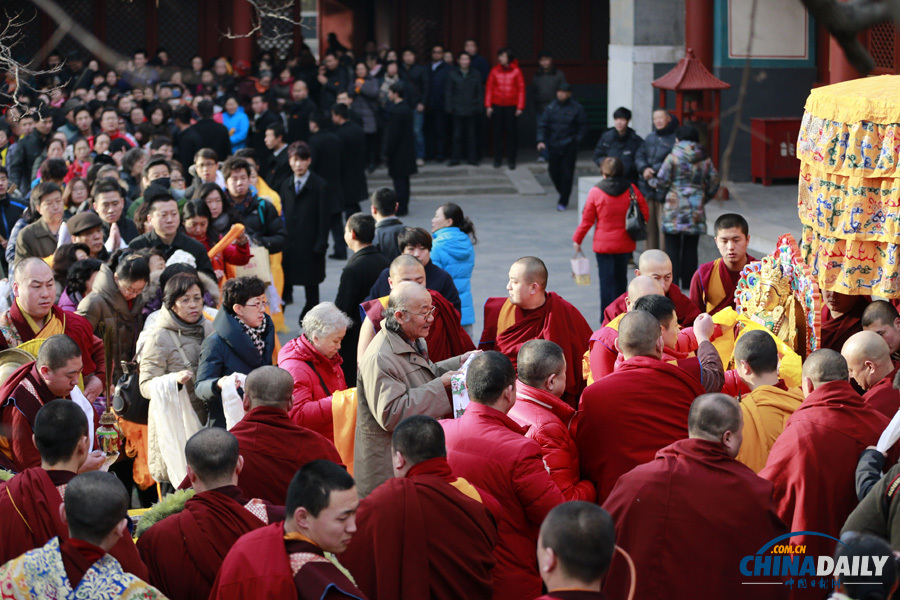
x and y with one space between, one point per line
513 218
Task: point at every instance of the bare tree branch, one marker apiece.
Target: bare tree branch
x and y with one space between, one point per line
11 35
272 10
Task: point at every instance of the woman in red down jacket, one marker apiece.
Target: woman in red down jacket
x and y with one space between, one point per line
607 204
504 99
313 361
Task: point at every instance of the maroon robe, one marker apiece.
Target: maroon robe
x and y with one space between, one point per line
445 339
573 595
813 462
274 448
883 397
686 310
700 285
76 327
421 537
29 518
689 516
21 397
184 551
260 567
626 417
837 331
556 321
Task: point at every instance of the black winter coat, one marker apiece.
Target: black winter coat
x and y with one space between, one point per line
562 124
306 218
652 153
257 135
355 187
263 224
415 83
326 163
298 115
215 136
399 141
337 81
464 94
623 147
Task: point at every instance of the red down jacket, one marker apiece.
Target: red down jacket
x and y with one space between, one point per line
312 402
505 87
607 205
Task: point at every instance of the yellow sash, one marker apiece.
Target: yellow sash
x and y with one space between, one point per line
466 488
507 317
53 326
715 292
343 413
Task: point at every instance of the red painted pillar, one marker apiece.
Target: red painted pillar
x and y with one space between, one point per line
243 23
497 29
698 29
839 68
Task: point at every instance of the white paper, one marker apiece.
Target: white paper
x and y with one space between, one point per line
458 390
81 400
890 435
232 402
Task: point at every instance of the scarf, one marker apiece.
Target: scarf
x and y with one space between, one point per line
257 335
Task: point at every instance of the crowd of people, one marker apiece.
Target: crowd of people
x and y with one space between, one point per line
385 452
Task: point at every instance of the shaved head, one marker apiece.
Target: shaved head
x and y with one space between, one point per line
269 386
406 267
582 536
213 455
538 360
882 318
534 270
868 358
758 350
657 265
713 416
640 286
823 366
639 335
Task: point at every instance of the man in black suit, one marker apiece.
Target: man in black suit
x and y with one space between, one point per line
357 278
214 135
262 119
353 158
278 169
307 211
299 112
326 163
400 146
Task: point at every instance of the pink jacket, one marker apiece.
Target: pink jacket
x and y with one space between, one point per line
490 451
547 419
312 401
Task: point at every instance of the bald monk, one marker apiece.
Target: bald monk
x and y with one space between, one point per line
713 285
769 404
34 315
575 547
692 497
541 380
81 564
425 533
869 361
882 318
184 551
812 463
657 265
273 446
841 318
626 417
445 339
30 501
531 312
287 560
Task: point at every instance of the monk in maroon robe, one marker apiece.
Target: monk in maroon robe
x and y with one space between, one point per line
530 312
841 318
713 285
184 551
273 446
670 513
287 560
626 417
53 375
869 362
813 462
657 265
882 318
34 315
425 533
574 549
30 501
445 339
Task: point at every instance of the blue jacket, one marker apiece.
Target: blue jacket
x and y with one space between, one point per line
229 350
453 251
240 124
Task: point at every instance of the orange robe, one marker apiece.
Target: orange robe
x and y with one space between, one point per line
766 412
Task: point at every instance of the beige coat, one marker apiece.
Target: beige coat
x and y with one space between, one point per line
395 382
160 355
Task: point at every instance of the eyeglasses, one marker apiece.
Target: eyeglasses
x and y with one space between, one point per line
261 305
424 315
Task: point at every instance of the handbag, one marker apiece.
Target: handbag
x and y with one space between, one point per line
635 224
128 402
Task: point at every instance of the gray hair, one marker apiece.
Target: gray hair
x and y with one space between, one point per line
325 319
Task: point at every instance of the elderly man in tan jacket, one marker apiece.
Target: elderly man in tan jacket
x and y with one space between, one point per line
397 380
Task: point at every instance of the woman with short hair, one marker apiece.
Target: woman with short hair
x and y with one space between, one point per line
313 361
